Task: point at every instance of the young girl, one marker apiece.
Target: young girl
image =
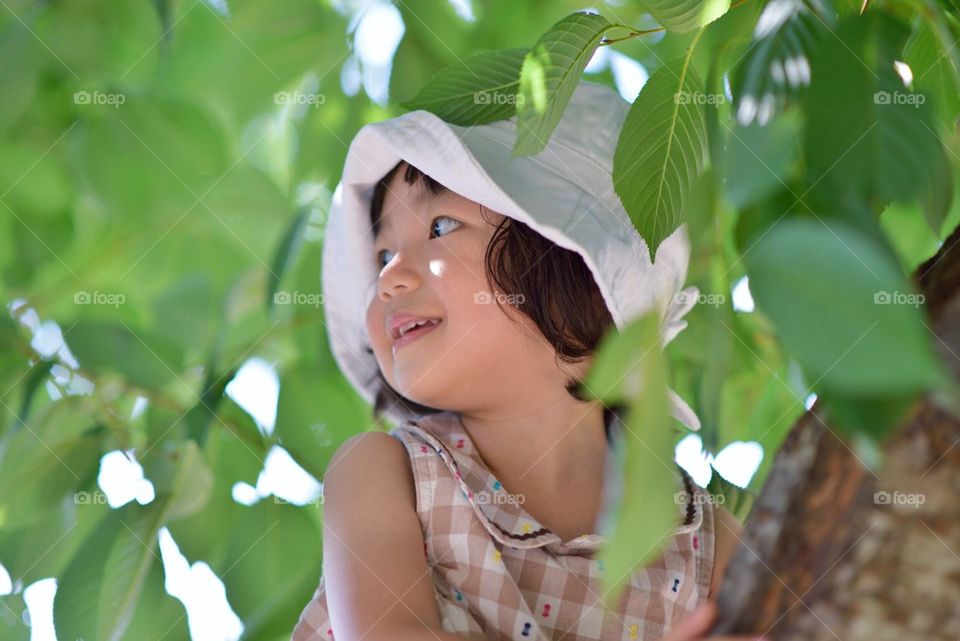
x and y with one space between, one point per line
465 294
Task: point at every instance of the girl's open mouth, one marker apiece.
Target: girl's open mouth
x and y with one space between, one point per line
414 334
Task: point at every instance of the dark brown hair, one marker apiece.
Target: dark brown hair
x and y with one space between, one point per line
553 285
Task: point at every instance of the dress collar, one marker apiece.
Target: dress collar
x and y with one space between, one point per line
501 513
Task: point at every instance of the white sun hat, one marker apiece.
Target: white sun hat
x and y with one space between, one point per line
565 193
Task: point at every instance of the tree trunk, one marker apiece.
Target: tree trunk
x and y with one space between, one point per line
832 550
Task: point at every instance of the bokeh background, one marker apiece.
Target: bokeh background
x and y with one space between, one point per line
170 401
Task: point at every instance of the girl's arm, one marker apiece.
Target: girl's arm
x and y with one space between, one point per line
728 531
379 587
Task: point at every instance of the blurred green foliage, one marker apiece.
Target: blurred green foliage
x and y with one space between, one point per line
163 197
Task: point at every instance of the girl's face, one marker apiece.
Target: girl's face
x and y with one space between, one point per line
430 255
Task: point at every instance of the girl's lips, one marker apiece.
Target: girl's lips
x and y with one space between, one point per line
414 334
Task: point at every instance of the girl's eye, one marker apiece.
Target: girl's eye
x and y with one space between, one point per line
433 225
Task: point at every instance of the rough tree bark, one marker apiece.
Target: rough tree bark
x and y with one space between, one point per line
821 558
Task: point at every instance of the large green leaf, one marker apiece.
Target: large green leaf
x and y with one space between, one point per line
45 547
631 364
685 15
776 68
174 151
44 460
661 151
867 136
13 618
157 615
180 476
272 566
550 73
97 594
933 70
862 334
101 39
316 412
286 253
103 346
762 158
237 62
478 90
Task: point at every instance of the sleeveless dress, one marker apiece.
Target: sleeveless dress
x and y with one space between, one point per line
500 575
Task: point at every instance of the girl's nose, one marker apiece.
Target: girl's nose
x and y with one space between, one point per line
399 275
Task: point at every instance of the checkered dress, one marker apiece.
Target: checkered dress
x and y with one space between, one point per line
498 574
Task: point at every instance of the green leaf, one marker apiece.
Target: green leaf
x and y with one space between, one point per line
45 547
873 415
18 77
286 253
476 91
933 71
862 334
174 151
316 412
645 512
685 15
867 136
180 476
937 194
550 73
761 158
274 558
157 615
661 151
909 234
98 592
775 70
13 618
236 62
104 346
44 460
